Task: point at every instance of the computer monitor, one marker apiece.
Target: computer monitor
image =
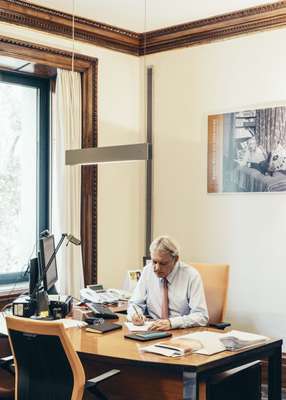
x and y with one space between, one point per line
47 250
34 277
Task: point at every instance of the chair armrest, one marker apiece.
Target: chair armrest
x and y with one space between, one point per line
6 360
100 378
7 364
220 325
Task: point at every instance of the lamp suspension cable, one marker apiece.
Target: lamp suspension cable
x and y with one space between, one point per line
72 99
144 63
73 36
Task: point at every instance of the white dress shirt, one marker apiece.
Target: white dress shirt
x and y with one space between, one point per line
187 304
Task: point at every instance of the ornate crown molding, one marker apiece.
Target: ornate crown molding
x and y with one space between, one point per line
220 27
20 12
188 34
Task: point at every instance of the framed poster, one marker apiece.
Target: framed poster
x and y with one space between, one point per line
247 151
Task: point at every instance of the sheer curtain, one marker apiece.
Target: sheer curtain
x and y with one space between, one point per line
66 181
271 127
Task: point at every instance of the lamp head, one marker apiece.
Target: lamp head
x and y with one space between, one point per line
73 240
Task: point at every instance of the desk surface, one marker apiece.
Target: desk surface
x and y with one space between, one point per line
114 345
147 376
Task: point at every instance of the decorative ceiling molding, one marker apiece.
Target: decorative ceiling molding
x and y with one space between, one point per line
215 28
45 19
188 34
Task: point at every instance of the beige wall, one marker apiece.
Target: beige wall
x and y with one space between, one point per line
120 186
245 230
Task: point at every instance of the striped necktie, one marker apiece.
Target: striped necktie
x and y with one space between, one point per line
165 300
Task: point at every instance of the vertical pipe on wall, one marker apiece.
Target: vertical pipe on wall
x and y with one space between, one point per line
148 238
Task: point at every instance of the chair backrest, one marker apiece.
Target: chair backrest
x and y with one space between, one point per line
215 281
47 366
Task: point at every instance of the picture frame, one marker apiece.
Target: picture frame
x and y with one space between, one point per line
246 151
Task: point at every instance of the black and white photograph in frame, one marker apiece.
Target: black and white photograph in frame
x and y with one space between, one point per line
247 151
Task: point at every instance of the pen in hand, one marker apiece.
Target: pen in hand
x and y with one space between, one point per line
140 318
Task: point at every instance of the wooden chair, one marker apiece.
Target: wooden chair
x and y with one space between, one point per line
47 366
215 281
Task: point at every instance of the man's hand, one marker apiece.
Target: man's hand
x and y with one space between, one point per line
138 320
160 325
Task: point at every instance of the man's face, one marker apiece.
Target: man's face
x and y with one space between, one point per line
163 263
252 144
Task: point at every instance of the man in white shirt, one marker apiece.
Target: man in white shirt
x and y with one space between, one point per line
170 291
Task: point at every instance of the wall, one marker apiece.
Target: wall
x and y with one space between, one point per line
245 230
120 186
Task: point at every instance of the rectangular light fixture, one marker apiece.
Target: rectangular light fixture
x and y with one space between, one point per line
97 155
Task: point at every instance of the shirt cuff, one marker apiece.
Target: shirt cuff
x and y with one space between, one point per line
176 322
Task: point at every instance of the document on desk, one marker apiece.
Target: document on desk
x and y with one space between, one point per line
214 342
209 340
138 328
237 340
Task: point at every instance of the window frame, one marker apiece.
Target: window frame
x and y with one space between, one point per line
43 61
43 160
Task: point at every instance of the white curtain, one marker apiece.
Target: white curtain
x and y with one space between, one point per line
66 181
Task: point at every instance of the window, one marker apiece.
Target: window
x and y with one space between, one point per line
24 172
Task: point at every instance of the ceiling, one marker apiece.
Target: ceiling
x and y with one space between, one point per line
130 14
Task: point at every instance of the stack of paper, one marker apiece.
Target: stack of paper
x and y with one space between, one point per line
236 340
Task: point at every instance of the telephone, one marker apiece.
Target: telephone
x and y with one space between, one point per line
98 297
122 294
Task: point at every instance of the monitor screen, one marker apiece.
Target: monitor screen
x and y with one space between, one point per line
47 249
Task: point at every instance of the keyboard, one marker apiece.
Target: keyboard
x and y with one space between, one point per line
101 311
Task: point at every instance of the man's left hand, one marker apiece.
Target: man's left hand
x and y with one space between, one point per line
160 325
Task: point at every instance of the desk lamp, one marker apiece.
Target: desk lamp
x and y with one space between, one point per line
39 295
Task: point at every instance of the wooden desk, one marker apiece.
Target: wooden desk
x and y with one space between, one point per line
149 376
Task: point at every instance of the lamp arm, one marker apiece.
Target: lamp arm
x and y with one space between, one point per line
55 252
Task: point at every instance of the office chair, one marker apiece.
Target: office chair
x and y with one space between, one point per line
215 281
7 377
47 366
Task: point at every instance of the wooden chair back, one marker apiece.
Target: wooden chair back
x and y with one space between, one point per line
46 364
215 280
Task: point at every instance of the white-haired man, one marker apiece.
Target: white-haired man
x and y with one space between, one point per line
168 290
